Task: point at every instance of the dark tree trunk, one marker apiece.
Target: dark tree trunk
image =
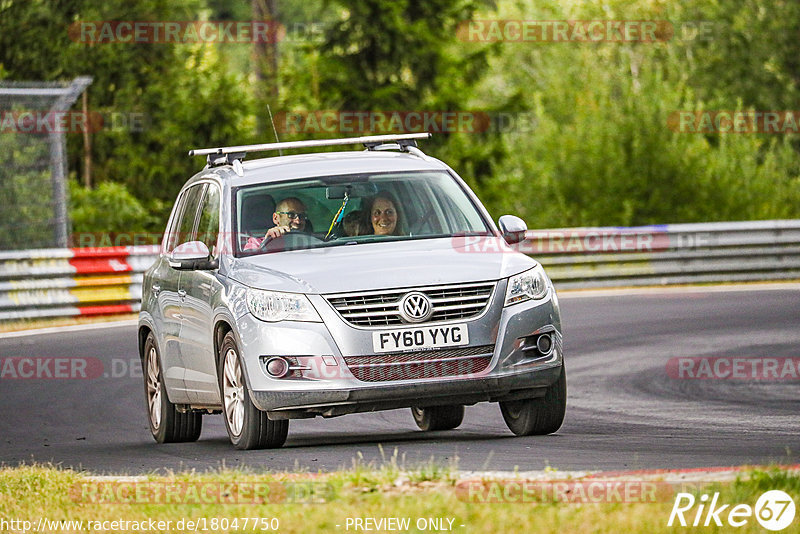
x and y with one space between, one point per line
265 62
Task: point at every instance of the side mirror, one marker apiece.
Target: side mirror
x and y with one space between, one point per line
192 256
513 228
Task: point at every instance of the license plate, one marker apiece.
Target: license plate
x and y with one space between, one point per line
426 337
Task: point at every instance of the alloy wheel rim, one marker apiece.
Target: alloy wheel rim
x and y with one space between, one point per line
233 391
154 388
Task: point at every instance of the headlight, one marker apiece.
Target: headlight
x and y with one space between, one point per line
273 306
531 284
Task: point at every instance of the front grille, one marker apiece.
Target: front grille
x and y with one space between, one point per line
420 364
381 308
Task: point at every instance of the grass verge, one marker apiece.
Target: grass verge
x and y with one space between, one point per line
423 500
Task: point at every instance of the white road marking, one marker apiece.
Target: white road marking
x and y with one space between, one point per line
69 328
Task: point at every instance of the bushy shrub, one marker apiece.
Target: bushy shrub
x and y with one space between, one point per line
104 213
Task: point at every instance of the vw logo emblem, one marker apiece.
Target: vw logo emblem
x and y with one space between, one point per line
416 307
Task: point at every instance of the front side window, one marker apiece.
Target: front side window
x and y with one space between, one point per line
351 209
181 230
208 225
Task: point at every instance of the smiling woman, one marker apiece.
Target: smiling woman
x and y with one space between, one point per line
384 216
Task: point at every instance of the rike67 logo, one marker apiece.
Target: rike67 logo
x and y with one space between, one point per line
774 510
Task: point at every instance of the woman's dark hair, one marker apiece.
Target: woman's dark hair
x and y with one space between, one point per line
386 195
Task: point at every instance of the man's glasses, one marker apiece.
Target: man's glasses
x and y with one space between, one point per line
294 215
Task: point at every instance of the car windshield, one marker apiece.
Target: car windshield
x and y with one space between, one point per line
351 209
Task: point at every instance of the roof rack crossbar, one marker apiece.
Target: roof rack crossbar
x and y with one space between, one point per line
369 141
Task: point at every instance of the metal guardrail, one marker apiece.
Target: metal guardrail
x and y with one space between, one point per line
668 254
71 282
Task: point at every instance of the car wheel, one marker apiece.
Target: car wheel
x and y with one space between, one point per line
248 427
438 417
167 424
536 417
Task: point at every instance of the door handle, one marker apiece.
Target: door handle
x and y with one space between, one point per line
156 289
181 293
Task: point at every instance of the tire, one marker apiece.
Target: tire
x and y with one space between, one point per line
167 424
248 427
438 417
537 417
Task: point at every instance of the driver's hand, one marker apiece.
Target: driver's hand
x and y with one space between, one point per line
276 231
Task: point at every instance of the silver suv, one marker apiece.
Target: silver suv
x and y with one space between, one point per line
340 282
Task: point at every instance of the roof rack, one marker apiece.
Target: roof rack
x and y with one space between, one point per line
226 155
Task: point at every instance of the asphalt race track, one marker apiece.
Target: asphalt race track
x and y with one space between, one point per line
624 411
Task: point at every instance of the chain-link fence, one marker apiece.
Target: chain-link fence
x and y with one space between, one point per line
33 172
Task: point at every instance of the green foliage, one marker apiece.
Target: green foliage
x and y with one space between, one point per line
601 152
200 106
110 208
27 217
383 54
752 54
182 95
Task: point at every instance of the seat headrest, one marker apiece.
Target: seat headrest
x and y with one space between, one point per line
257 213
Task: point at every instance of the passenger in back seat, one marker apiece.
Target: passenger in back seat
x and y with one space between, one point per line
353 224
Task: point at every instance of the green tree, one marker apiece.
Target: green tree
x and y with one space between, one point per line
381 54
751 53
181 94
603 152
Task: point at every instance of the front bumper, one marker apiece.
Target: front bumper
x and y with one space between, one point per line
329 403
327 387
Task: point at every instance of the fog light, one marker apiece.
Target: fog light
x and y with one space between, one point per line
277 367
544 344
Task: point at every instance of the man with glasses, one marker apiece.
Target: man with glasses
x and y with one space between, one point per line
290 216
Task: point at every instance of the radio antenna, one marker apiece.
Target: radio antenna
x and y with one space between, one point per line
280 152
